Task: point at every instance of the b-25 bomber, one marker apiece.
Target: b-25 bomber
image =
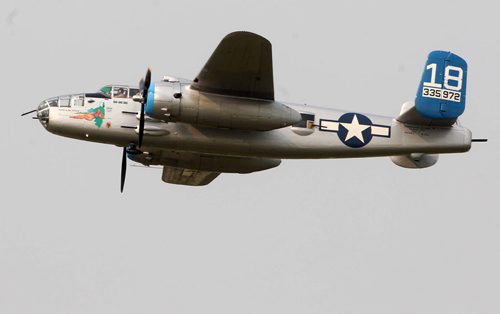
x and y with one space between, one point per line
227 120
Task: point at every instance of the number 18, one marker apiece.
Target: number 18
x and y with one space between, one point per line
447 77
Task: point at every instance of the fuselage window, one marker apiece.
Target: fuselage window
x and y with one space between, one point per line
64 101
77 100
120 92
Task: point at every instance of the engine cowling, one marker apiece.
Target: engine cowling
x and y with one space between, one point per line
177 102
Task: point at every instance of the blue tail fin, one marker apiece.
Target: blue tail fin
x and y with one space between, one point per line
441 93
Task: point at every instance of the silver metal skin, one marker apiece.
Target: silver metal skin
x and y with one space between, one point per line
119 128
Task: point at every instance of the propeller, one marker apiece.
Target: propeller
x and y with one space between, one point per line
145 88
124 169
132 149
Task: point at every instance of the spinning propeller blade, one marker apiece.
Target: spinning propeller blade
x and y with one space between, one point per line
144 85
124 169
145 89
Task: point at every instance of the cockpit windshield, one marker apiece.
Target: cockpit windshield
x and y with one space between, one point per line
119 91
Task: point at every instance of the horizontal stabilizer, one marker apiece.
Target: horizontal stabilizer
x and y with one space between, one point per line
410 115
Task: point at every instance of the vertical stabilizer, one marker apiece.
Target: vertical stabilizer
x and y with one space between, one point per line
441 93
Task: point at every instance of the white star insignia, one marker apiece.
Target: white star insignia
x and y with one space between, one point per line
355 129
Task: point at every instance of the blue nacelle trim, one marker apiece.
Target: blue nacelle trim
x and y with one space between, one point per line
151 100
442 90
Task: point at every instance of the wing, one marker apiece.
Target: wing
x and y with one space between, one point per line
242 65
187 168
185 176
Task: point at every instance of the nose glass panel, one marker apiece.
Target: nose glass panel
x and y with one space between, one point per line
43 113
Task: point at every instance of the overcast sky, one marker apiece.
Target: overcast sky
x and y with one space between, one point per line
311 236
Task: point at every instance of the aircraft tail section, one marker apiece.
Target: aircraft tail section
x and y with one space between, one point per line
439 102
441 94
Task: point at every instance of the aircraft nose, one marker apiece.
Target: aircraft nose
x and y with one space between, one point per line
42 113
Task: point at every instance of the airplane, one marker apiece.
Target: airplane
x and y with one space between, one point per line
227 120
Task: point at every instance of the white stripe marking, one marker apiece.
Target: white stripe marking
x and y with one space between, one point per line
330 126
380 130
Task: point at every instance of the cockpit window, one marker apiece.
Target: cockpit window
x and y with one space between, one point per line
120 92
134 92
106 90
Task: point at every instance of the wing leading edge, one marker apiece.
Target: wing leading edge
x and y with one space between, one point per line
242 65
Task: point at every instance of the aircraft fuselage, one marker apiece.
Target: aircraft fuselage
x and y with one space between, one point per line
323 133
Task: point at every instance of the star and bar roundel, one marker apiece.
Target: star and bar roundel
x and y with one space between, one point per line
354 129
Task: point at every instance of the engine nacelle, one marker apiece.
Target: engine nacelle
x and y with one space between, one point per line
177 102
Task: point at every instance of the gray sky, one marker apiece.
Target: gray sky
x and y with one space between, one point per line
327 236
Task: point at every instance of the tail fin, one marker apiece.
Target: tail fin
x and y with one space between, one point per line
441 93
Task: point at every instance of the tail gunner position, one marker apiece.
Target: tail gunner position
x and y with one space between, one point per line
227 120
